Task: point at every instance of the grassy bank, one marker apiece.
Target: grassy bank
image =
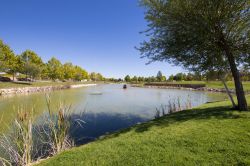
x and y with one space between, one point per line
230 84
208 135
212 84
4 85
218 84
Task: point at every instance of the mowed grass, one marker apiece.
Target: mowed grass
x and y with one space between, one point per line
230 84
208 135
214 84
35 84
219 84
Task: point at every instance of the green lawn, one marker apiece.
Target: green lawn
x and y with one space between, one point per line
208 135
230 84
219 84
215 84
36 84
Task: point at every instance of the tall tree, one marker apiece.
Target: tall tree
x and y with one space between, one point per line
8 60
93 76
68 71
200 35
99 77
171 78
159 76
127 78
134 79
55 70
30 64
80 74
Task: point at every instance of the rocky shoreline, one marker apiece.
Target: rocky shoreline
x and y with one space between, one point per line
184 88
26 90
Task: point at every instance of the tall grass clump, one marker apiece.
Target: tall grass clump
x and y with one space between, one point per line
161 111
173 106
56 128
17 145
30 140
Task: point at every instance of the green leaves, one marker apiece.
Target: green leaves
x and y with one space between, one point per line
8 61
55 70
188 33
31 64
200 35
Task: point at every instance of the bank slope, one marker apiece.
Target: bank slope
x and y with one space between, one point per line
209 135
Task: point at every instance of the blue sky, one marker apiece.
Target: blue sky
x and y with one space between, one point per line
99 35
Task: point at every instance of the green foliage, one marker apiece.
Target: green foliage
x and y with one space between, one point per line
80 74
196 76
69 71
134 79
189 33
159 76
96 76
127 78
171 78
180 77
200 36
141 79
31 64
55 69
8 60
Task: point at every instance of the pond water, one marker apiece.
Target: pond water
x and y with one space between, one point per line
103 108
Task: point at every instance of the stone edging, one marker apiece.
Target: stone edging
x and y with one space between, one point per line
194 89
25 90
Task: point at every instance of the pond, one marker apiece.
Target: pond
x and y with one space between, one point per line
103 108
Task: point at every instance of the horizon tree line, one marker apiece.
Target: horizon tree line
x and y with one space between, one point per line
31 65
190 76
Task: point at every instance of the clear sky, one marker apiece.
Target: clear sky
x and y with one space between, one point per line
99 35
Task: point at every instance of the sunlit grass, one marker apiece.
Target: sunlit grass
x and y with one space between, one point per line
36 84
215 84
208 135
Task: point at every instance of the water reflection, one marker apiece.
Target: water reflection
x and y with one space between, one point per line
98 124
114 109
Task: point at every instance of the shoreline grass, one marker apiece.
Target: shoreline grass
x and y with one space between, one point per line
209 84
211 134
5 85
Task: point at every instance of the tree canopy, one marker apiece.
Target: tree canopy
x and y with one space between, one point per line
127 78
8 60
199 35
31 64
159 76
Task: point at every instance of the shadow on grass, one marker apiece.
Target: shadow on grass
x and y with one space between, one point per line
22 83
98 124
220 112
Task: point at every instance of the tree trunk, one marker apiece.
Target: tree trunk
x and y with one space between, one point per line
242 103
13 77
228 92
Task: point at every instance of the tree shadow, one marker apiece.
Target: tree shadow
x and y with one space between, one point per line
22 83
96 125
220 112
186 115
